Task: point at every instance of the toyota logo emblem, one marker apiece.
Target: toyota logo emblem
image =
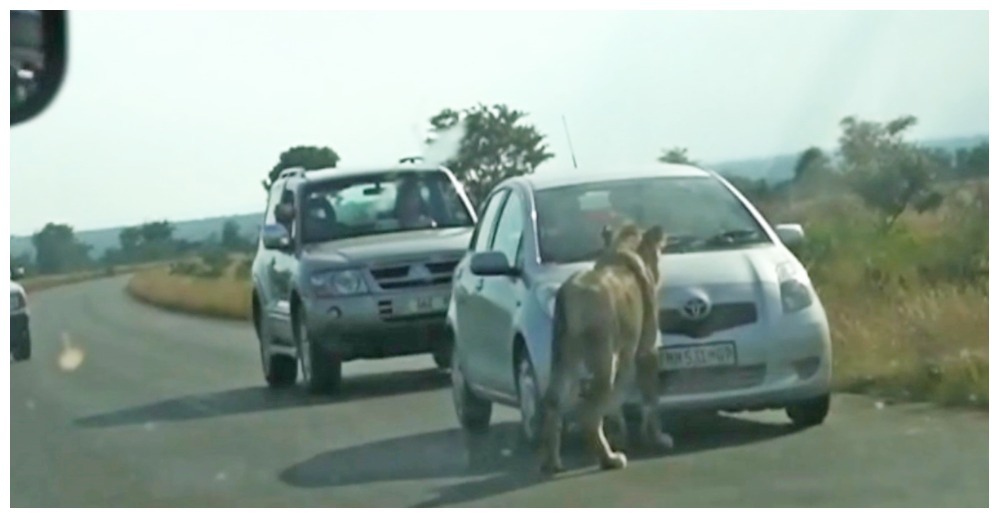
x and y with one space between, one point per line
695 309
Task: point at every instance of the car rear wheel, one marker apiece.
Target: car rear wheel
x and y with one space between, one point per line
473 411
279 371
442 355
321 370
811 412
529 401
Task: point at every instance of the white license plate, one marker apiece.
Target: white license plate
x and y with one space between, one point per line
423 304
698 356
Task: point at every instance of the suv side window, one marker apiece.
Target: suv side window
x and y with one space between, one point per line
481 237
510 229
274 197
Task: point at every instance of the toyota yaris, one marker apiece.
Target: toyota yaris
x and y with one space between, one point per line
741 325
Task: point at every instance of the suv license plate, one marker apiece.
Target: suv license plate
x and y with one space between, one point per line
423 304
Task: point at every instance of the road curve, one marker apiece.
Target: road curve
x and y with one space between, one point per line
126 405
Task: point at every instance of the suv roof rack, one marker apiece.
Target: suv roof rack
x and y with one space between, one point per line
295 171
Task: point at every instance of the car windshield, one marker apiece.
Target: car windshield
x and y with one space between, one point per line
697 213
382 203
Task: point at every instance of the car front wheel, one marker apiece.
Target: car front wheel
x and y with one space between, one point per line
811 412
529 401
321 371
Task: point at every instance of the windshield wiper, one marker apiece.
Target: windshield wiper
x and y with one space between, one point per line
734 237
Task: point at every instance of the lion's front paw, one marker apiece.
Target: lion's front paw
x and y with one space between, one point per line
616 460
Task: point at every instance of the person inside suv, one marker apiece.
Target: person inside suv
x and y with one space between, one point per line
411 208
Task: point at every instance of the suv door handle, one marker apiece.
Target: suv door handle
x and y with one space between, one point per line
479 284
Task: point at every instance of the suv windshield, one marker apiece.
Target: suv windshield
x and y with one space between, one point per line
697 213
381 203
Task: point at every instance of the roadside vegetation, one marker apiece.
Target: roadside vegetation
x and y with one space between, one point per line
897 246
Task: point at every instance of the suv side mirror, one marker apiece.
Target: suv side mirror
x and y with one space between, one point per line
275 236
16 273
491 263
791 235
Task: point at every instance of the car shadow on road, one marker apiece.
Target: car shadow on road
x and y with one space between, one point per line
497 461
259 398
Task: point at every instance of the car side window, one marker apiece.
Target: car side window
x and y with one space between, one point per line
288 197
481 237
510 229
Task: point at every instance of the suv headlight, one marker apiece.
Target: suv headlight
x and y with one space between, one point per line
17 302
346 282
794 283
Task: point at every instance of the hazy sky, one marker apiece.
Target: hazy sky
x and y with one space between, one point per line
176 115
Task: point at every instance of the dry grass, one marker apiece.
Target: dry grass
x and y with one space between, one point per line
223 297
912 344
38 283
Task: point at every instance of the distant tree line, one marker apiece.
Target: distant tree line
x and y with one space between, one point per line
875 161
59 250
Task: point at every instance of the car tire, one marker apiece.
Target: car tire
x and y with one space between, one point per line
279 371
473 412
21 352
529 401
321 370
811 412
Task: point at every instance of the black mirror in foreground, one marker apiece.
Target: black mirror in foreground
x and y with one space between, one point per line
491 263
37 61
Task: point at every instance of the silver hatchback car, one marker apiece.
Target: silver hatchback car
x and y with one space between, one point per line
741 325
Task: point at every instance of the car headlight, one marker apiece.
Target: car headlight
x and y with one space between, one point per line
17 302
794 283
338 283
547 298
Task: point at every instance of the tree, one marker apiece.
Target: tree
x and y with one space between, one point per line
57 250
887 172
129 239
496 144
156 232
309 157
676 155
811 164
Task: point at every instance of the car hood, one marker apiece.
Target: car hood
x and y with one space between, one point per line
386 247
719 273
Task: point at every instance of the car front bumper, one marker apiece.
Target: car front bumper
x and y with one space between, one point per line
380 325
778 366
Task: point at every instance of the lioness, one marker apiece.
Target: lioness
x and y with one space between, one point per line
606 321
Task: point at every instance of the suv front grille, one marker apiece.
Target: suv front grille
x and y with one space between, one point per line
722 316
408 275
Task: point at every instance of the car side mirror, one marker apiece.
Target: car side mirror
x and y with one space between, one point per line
37 61
16 273
791 235
491 263
275 236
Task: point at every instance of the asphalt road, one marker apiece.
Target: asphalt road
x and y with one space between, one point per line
125 405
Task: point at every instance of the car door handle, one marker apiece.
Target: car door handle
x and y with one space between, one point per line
479 284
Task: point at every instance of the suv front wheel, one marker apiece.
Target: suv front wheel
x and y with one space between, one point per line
279 371
321 371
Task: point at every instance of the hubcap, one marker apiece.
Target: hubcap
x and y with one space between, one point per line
527 393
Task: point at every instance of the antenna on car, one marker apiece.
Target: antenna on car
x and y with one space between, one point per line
572 154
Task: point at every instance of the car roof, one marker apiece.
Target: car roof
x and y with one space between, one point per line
543 181
324 174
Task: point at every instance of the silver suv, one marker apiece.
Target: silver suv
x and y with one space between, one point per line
356 264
